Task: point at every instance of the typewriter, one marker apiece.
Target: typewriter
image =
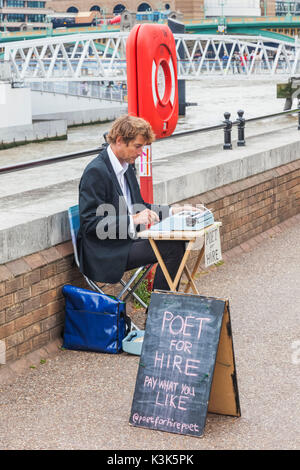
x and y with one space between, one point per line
185 220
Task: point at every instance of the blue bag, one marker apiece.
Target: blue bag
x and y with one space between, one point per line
94 321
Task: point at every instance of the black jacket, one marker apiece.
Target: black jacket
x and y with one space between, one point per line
104 214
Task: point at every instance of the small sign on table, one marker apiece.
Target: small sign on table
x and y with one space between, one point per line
213 253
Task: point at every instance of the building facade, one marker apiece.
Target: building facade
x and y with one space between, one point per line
110 7
232 8
191 9
31 14
23 14
287 7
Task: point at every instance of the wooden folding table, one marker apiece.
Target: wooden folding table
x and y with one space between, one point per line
189 236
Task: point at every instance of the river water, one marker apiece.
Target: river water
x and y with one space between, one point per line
213 97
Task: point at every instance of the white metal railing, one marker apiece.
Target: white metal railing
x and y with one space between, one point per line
109 92
195 69
80 57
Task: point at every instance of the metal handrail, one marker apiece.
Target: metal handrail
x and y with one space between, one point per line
291 111
90 152
234 123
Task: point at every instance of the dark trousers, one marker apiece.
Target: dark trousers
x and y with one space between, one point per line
141 254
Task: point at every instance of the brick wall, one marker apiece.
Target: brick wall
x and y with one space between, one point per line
191 9
31 302
253 205
85 5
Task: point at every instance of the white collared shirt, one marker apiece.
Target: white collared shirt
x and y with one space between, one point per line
120 170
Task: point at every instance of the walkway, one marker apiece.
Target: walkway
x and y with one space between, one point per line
78 400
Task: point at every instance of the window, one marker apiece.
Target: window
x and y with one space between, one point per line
15 17
72 10
144 7
36 18
118 9
96 8
15 3
33 4
287 6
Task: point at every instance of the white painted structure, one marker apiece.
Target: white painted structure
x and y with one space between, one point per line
77 58
74 109
15 106
239 8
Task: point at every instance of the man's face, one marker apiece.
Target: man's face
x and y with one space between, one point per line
129 152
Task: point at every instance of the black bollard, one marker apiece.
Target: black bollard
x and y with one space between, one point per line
227 132
241 129
298 114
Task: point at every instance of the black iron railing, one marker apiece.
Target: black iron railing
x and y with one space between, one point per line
226 125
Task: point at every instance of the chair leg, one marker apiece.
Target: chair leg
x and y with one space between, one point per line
137 298
96 288
126 288
131 290
134 327
128 284
93 285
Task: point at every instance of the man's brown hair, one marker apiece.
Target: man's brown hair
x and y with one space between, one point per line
129 127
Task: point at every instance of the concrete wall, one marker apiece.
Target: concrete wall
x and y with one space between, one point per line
32 132
75 109
85 5
191 9
232 8
15 106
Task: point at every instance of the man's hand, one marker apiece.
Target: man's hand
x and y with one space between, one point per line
145 217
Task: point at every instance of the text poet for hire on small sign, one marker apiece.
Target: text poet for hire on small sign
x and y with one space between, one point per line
213 253
187 365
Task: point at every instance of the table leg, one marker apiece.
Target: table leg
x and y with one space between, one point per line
191 282
194 272
183 262
172 284
162 264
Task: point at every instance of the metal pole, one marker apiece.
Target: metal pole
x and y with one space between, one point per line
177 27
227 132
241 129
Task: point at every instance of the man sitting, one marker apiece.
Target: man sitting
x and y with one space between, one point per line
112 211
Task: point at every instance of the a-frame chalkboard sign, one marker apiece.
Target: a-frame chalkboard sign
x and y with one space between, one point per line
187 365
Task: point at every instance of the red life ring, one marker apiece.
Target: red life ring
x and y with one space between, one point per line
152 77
